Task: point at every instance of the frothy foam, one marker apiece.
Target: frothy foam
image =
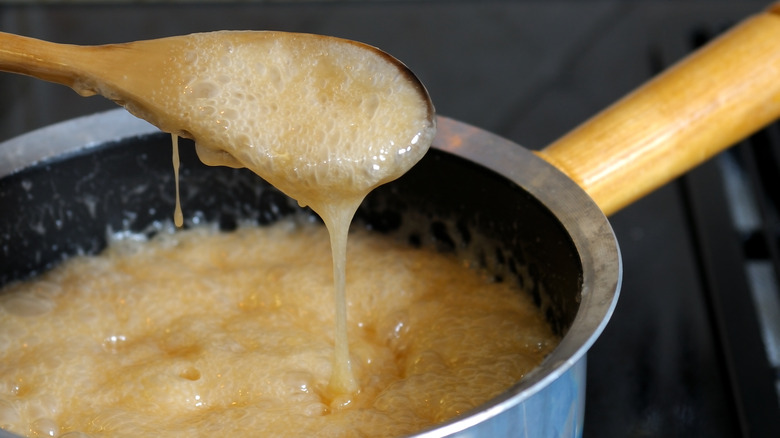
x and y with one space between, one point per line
319 118
200 332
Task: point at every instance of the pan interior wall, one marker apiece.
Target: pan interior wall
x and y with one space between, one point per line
71 205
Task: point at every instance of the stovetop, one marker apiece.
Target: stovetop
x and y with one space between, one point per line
685 352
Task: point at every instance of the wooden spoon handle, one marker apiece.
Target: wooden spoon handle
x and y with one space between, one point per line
52 62
704 104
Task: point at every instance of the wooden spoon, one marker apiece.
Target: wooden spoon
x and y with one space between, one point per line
141 75
262 100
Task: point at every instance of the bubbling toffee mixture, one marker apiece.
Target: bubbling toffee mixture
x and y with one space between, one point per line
200 332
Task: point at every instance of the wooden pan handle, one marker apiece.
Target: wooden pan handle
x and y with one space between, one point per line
709 101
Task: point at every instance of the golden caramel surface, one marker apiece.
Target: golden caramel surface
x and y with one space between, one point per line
202 332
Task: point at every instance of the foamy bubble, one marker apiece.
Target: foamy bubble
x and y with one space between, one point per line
114 343
9 414
75 434
190 57
33 303
298 381
314 410
44 427
203 90
426 362
190 373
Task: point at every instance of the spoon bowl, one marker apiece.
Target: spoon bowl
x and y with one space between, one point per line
308 113
142 75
